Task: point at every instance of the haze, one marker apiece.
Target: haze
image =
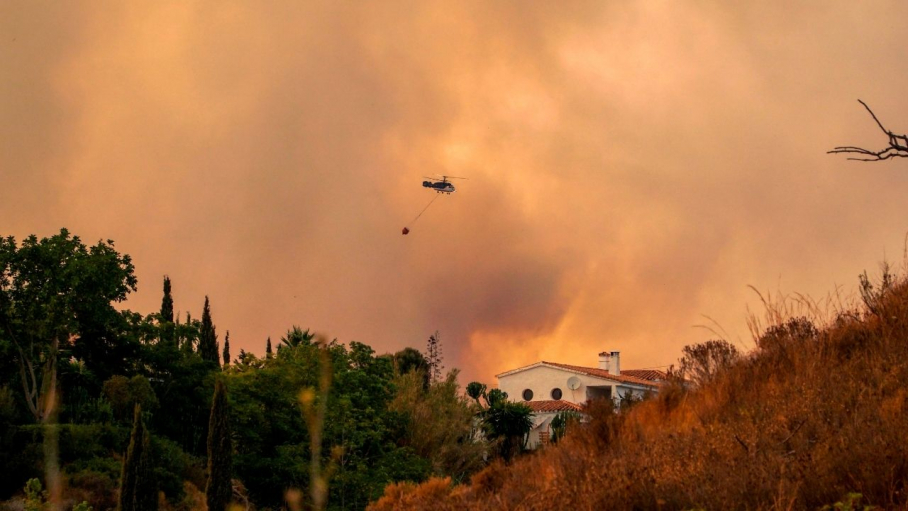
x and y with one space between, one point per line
633 166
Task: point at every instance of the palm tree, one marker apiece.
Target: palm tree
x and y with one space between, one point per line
510 423
296 337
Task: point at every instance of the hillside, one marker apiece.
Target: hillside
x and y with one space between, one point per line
812 417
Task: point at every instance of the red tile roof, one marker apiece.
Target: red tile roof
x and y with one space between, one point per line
602 373
553 406
646 374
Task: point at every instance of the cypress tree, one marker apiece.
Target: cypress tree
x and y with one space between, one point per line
227 348
268 352
220 467
167 302
208 339
167 313
138 491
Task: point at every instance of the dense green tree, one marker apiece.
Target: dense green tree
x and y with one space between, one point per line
56 302
411 360
361 437
505 423
125 393
218 491
208 338
227 348
138 491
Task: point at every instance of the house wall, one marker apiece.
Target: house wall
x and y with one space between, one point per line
541 380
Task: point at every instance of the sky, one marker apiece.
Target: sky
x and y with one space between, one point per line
635 168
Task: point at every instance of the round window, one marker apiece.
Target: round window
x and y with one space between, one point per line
527 395
556 394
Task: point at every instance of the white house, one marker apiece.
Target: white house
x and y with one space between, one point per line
549 388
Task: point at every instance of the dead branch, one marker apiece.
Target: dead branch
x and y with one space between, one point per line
898 145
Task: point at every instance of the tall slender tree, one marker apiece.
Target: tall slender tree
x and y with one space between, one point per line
435 357
208 339
138 491
167 302
268 352
227 348
167 325
220 465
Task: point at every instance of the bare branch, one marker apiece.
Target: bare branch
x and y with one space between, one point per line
898 145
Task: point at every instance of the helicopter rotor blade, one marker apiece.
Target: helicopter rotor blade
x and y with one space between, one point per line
454 177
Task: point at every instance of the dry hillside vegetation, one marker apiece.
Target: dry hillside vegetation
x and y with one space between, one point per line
809 417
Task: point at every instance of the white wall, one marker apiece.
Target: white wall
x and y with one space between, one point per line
541 380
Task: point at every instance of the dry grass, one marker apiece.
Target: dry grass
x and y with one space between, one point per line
811 415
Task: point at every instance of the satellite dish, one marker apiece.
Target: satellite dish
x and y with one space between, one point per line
573 383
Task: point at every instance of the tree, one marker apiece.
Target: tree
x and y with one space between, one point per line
410 360
434 357
441 424
703 362
897 148
138 491
167 302
220 451
507 423
167 326
296 336
476 390
561 422
125 393
268 352
56 299
208 339
227 348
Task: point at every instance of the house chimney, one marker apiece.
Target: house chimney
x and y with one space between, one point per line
604 360
616 364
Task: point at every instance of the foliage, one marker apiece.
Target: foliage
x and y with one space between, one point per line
124 394
56 297
562 422
434 357
360 446
410 360
700 363
440 425
227 348
166 318
333 424
35 496
851 502
208 338
138 491
220 449
504 423
295 337
476 390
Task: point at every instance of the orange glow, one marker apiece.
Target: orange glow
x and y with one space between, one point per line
632 166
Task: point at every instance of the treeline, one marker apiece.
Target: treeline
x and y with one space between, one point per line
311 419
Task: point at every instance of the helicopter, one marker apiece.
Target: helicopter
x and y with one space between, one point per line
442 186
